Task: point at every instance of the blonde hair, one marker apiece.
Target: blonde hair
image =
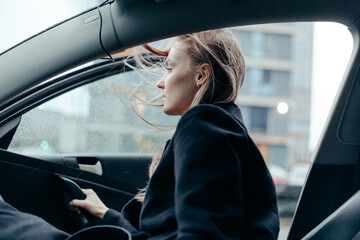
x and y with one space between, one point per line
221 50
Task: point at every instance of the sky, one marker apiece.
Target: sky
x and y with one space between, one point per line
332 47
17 22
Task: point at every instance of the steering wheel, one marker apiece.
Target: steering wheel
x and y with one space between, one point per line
75 192
103 232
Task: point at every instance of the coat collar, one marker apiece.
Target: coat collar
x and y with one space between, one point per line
234 111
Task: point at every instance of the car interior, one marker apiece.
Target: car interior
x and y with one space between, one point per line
34 71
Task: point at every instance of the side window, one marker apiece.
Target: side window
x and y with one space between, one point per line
286 97
95 118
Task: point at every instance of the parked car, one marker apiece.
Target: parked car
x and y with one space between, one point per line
297 174
289 192
280 176
37 70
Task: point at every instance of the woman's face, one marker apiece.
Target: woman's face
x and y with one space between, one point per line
178 83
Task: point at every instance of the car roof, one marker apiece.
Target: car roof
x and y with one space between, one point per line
126 23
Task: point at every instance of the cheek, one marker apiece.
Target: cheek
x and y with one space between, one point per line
179 90
189 87
183 91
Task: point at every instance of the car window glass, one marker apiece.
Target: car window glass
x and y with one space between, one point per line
95 118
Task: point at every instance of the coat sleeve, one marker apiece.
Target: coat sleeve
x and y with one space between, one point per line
128 219
19 225
208 192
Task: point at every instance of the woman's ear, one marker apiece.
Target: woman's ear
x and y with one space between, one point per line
203 74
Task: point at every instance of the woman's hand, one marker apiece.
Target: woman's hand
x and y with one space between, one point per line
91 203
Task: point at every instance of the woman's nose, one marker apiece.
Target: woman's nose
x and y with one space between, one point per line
160 84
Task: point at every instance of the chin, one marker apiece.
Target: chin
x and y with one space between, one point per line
170 111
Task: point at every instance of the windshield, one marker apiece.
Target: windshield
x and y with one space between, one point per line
21 19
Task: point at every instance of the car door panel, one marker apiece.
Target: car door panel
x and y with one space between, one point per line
331 185
32 185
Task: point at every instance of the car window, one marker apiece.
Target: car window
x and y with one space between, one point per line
95 118
293 72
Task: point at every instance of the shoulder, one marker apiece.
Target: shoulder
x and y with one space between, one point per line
207 122
204 110
208 116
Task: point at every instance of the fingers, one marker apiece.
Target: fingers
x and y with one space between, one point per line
78 210
87 191
78 203
92 203
85 202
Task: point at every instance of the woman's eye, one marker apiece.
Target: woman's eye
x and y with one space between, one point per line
168 68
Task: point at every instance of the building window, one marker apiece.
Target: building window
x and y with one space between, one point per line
265 45
266 82
255 118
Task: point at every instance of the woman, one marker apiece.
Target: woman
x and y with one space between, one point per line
211 181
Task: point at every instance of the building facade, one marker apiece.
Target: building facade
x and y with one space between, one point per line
275 97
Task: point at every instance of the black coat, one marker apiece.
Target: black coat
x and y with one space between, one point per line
19 225
211 183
